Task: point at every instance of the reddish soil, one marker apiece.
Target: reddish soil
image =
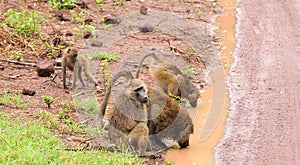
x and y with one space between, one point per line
16 77
263 126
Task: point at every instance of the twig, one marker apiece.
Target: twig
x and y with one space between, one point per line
92 138
19 63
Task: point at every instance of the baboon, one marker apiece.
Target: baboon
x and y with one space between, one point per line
171 79
167 119
129 119
73 61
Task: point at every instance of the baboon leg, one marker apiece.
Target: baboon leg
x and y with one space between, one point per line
80 76
88 73
64 77
139 136
75 78
184 142
156 143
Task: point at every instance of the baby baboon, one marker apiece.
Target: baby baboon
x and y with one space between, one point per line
73 61
129 119
171 79
167 119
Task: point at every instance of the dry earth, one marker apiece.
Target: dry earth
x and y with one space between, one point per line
16 77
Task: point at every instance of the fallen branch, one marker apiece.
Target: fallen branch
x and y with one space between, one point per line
19 63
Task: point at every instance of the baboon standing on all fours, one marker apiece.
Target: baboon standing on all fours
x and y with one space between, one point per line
128 123
171 79
75 62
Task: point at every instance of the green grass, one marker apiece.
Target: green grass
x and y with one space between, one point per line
188 71
24 22
104 56
12 99
90 105
31 143
61 4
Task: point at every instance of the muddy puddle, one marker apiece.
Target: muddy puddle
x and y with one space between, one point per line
211 116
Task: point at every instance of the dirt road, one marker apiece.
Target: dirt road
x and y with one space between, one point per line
263 126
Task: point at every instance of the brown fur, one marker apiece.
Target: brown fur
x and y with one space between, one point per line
171 79
128 123
168 119
73 61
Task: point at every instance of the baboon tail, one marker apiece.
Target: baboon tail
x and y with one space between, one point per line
142 61
127 75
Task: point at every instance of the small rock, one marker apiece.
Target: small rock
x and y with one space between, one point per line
45 68
97 44
111 19
58 61
82 5
88 21
87 34
143 10
146 28
69 33
28 92
60 16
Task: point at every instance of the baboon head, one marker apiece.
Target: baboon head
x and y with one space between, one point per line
138 91
73 53
188 90
193 97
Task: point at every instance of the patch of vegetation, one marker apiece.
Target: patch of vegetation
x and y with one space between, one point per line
169 162
177 98
190 52
104 56
12 99
119 2
77 17
31 143
83 28
100 4
90 104
24 22
188 71
105 59
62 122
106 71
62 4
16 54
200 13
102 20
106 27
48 100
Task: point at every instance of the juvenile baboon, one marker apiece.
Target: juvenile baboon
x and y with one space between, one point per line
129 119
171 79
73 61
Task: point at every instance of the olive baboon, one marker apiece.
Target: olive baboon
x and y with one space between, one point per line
129 119
167 119
73 61
171 79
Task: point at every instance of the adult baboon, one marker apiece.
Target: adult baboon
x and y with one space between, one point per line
128 123
167 120
73 61
171 79
131 112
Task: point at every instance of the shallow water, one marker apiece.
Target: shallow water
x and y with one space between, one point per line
212 111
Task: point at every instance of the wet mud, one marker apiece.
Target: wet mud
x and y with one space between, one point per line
212 111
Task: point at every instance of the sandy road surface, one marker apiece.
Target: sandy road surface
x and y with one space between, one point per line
264 119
